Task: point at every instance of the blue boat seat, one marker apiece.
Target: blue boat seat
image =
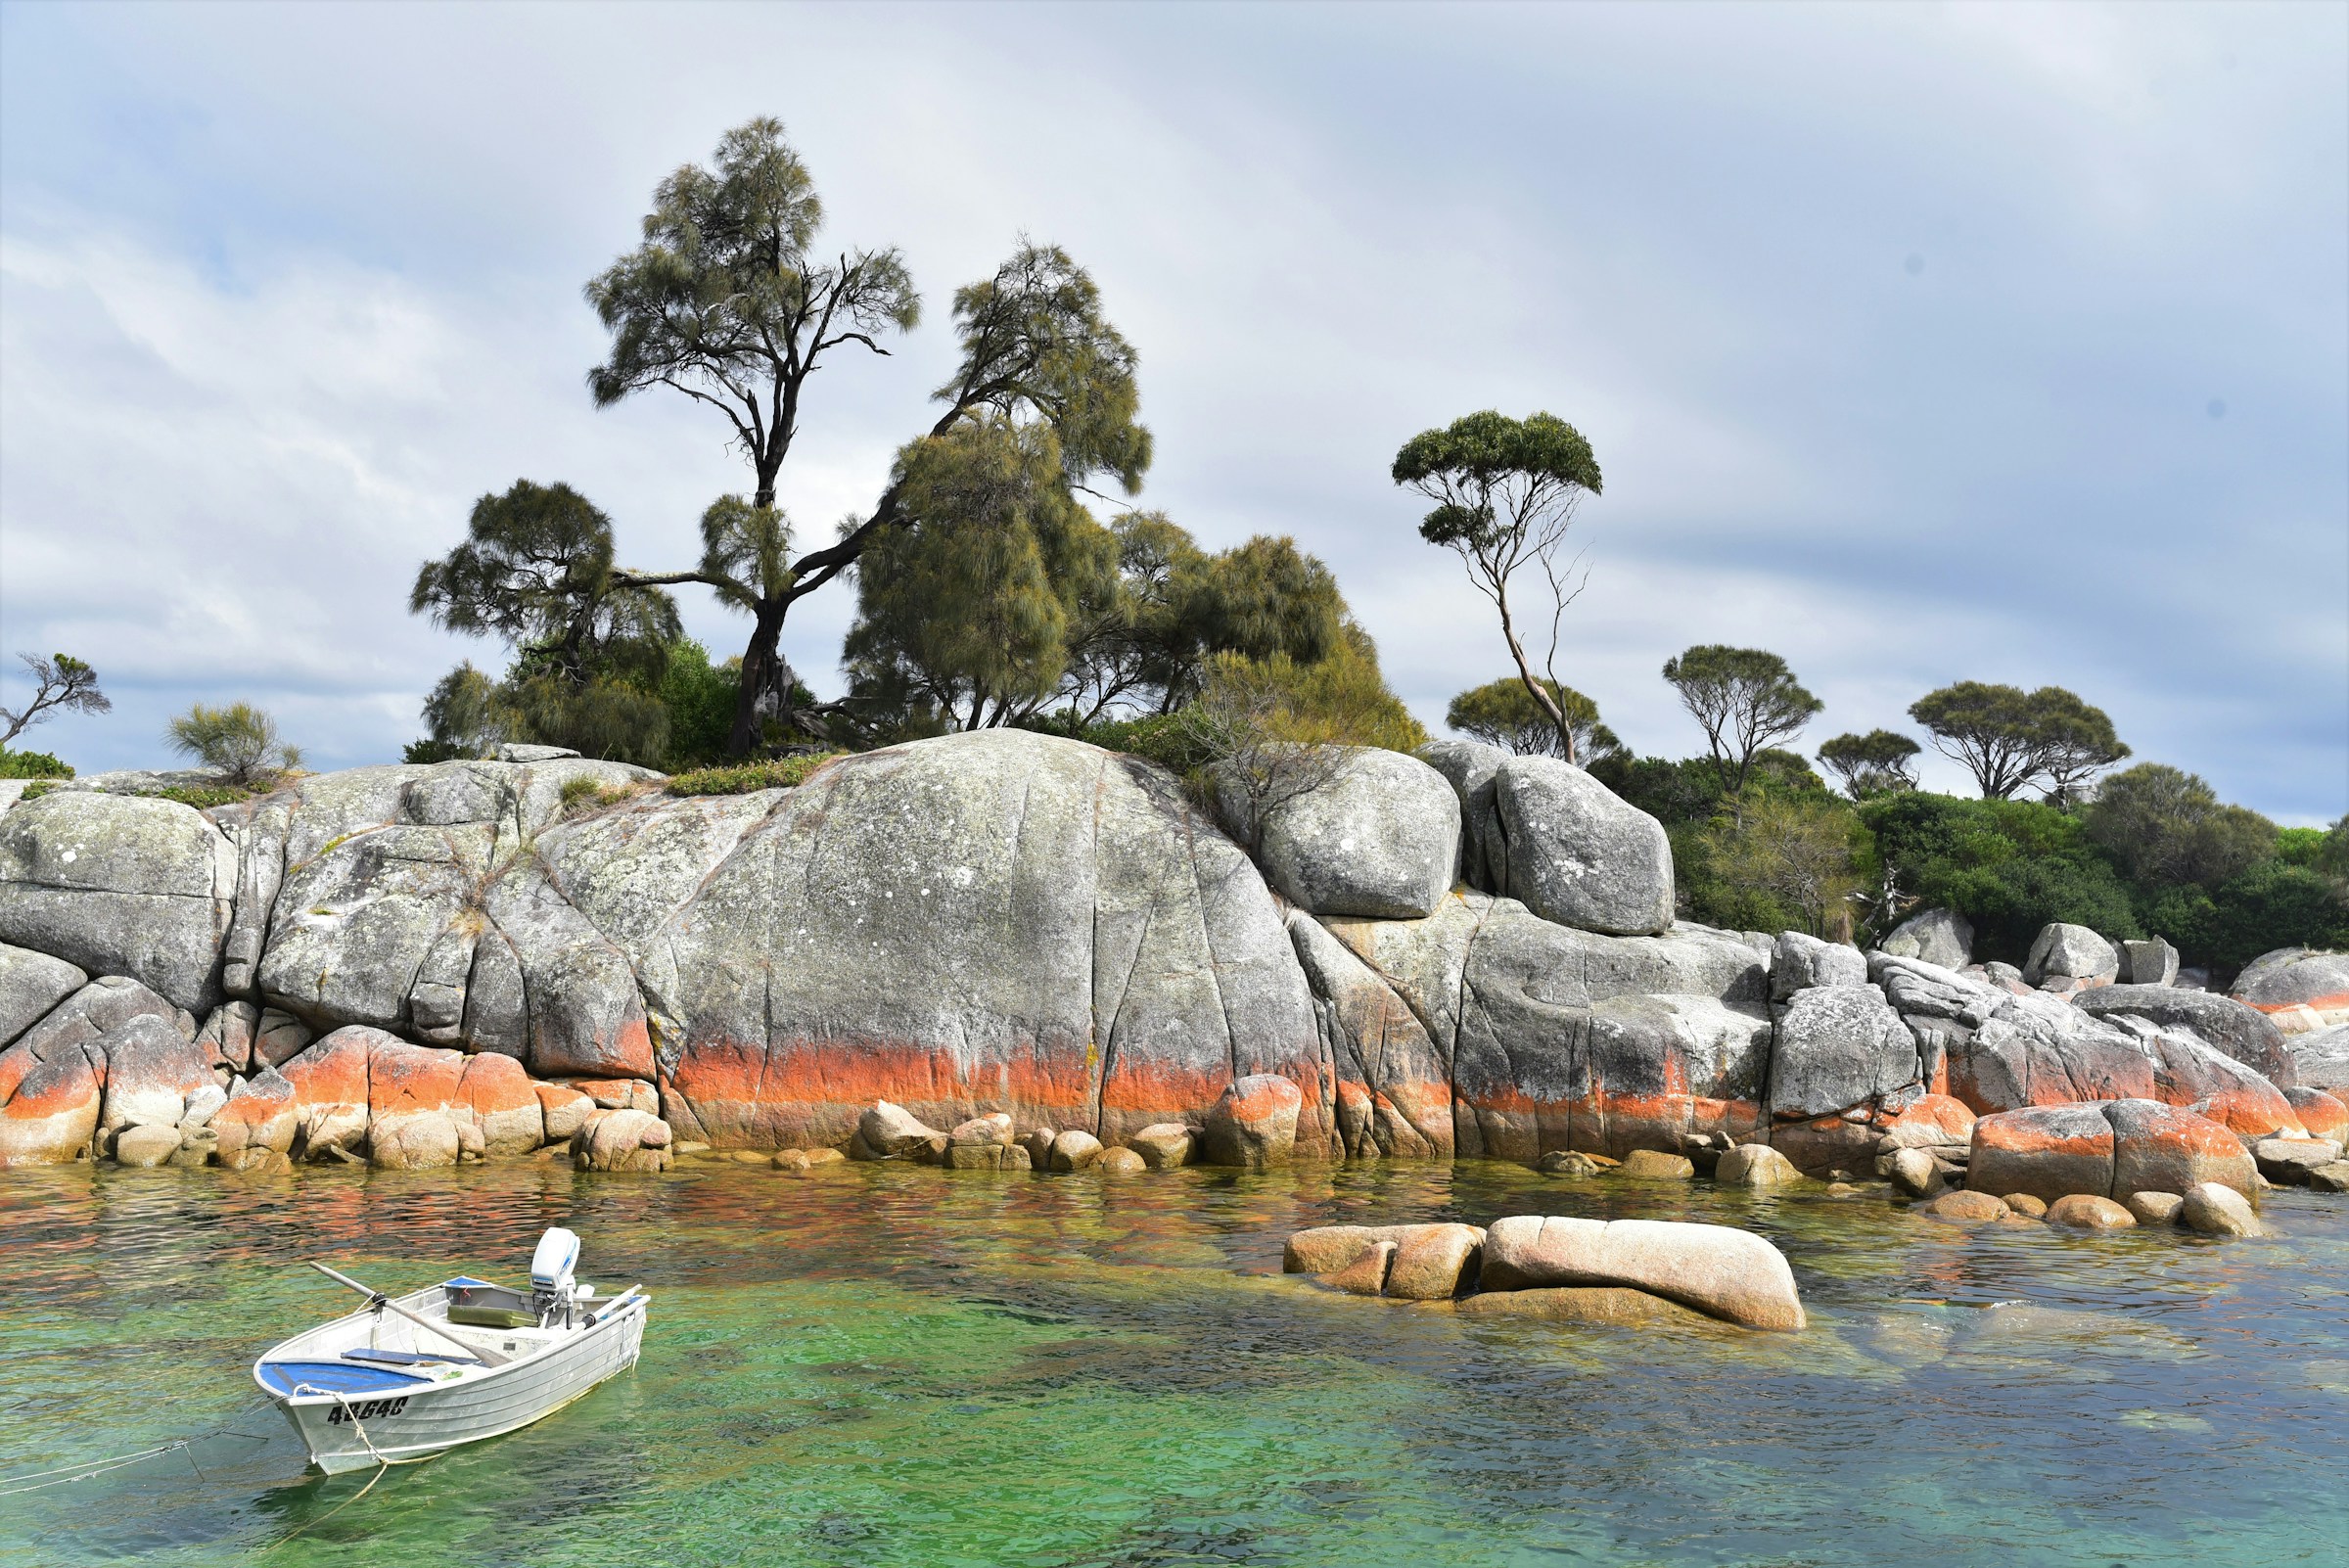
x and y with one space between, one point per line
392 1358
336 1377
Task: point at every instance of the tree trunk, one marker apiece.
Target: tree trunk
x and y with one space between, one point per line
763 672
1525 672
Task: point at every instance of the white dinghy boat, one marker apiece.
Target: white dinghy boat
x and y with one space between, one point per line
409 1376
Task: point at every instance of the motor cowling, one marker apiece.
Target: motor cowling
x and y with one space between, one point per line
551 1270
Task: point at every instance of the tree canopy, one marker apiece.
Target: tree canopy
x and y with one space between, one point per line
590 642
2163 825
998 596
1871 764
1503 712
1505 492
1743 698
2008 738
726 301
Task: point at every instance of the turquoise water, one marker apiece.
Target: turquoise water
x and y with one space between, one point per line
883 1366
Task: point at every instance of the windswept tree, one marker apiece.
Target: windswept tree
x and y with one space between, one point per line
1503 712
61 681
1506 492
2008 737
1744 699
1872 764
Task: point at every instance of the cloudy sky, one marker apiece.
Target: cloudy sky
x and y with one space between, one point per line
1917 343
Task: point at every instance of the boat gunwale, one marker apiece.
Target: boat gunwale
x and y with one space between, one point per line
467 1378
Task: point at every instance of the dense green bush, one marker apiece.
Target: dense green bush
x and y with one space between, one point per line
2008 866
31 764
700 698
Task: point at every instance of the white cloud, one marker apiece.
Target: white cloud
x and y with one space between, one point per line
267 329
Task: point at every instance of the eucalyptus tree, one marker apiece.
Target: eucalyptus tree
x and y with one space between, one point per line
2008 737
1505 492
1503 712
1872 764
1743 698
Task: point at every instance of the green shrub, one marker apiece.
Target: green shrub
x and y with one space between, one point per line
700 698
2008 866
743 778
2301 846
240 742
31 764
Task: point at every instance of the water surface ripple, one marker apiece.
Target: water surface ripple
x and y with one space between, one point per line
884 1366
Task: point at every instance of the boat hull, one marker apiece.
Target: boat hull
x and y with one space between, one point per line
358 1432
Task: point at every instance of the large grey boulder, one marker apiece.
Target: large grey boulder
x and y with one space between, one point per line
152 1070
992 921
2041 1050
1940 937
120 884
2069 952
1380 838
1470 767
1799 962
2151 962
2187 1071
355 925
2320 1060
1393 1089
1560 1039
1840 1048
2290 979
1577 854
30 984
2242 1033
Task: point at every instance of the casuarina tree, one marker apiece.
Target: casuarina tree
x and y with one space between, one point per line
729 301
590 642
1743 698
1505 492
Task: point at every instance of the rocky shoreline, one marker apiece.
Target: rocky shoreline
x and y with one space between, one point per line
1468 954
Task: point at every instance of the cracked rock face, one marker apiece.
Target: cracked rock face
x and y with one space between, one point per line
991 921
120 884
425 964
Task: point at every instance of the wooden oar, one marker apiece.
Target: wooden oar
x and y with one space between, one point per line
493 1358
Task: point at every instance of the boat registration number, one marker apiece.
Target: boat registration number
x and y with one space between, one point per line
365 1411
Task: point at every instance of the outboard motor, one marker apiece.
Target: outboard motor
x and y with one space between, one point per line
551 1267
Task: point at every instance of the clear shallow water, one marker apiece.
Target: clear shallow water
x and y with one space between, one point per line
885 1365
